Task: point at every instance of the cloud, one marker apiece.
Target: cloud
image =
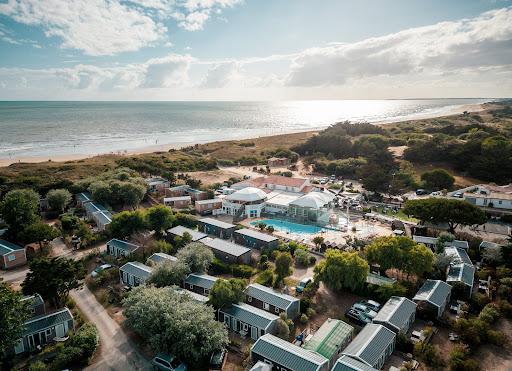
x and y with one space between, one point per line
484 42
169 71
221 74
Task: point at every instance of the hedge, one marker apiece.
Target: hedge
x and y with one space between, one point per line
218 266
243 271
87 338
265 278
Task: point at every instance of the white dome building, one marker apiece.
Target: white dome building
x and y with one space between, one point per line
249 201
312 204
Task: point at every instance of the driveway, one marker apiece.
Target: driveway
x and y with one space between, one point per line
117 353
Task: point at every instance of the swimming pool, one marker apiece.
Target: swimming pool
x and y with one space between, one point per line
282 226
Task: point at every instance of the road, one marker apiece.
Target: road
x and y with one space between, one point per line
117 352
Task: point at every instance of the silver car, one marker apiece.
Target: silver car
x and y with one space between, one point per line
168 362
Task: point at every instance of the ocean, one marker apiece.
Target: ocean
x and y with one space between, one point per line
30 129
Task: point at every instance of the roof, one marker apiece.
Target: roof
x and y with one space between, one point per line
217 223
457 243
197 191
270 296
7 247
35 299
281 198
84 197
194 295
95 207
370 343
313 200
211 200
287 354
307 189
329 337
433 291
39 323
486 244
105 217
255 234
423 239
461 273
492 195
346 363
179 187
251 315
201 280
396 312
159 257
504 188
285 181
180 230
156 182
261 366
137 269
227 247
375 279
251 182
180 198
247 194
125 245
459 255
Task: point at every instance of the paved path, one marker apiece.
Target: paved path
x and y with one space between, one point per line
117 352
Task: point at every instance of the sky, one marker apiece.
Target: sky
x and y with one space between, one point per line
254 49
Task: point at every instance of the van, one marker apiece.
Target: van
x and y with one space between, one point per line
303 283
218 360
168 362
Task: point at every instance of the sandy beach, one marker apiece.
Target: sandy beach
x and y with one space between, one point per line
177 145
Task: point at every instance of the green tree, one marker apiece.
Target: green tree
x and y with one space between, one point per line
18 213
418 260
69 223
283 263
83 231
26 193
101 191
174 323
441 264
54 278
39 232
87 338
438 179
127 224
270 229
341 269
443 237
13 315
169 273
197 256
159 218
493 255
318 241
441 210
59 198
377 173
388 290
386 252
261 225
225 293
131 194
301 256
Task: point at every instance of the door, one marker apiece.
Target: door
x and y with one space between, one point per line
226 320
254 333
131 280
31 341
20 348
59 331
234 324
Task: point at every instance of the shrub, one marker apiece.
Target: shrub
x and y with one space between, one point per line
219 267
243 271
59 347
305 304
430 354
37 366
506 308
480 300
506 217
497 337
70 303
310 312
69 357
489 314
265 278
311 289
87 338
312 260
273 255
303 318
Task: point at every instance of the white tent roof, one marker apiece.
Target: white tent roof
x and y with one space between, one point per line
247 194
314 200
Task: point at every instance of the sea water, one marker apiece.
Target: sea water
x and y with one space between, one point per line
63 128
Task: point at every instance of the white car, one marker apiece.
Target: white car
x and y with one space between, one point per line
434 194
100 268
458 195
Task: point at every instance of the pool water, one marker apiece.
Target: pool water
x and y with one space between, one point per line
282 226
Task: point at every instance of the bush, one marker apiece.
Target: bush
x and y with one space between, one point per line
59 347
219 267
265 278
489 314
243 271
273 255
506 308
69 357
87 338
312 260
506 217
37 366
480 300
305 304
497 337
70 303
52 214
430 354
310 312
303 318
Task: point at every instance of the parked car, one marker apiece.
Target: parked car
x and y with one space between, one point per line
100 268
356 317
340 177
363 309
458 195
333 177
421 192
434 194
373 305
168 362
218 360
349 184
303 283
75 240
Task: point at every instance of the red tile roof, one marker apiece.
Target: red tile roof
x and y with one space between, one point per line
307 189
285 181
254 182
505 189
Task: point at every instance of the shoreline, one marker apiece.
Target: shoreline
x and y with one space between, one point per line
177 145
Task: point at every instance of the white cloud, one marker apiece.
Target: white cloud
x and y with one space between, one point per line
170 71
195 21
221 74
484 42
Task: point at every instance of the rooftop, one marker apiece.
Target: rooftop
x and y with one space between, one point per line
285 181
287 354
180 230
270 296
247 194
226 247
7 247
125 245
180 198
396 312
44 321
346 363
217 223
329 337
461 273
313 200
84 197
255 234
433 291
201 280
459 255
209 201
159 257
251 315
137 269
375 279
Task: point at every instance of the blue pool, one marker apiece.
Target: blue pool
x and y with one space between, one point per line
290 227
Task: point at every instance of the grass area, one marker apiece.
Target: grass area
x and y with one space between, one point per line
398 215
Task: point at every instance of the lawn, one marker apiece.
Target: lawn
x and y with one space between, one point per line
398 215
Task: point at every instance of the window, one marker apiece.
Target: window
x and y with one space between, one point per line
191 287
500 202
32 310
209 206
11 257
266 306
277 310
207 292
48 331
249 299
